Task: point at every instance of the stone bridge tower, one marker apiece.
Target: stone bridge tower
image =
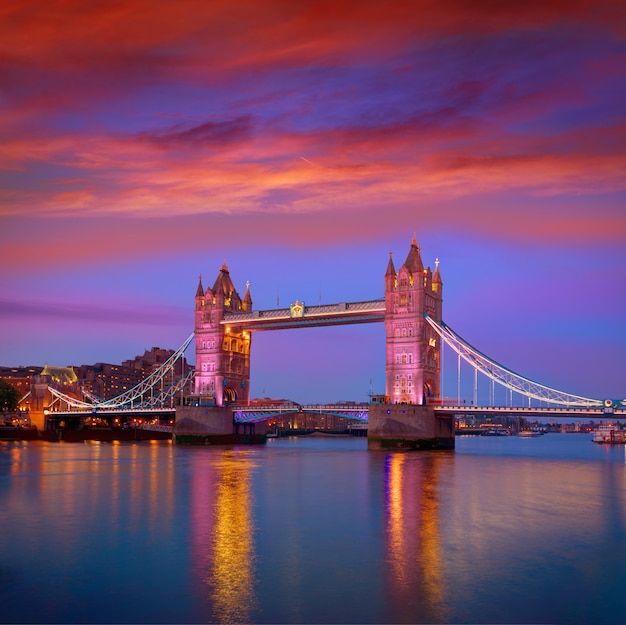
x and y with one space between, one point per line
413 347
222 353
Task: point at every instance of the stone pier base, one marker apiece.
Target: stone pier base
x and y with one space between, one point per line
213 425
407 426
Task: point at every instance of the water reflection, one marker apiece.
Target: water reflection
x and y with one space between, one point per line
415 559
223 532
89 517
318 531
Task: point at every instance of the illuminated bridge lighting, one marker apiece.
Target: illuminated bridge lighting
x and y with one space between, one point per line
245 415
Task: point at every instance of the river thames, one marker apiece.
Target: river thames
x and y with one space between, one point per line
314 530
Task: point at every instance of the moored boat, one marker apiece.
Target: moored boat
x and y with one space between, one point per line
609 435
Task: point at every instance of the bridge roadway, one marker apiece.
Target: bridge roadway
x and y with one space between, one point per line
529 411
360 413
116 412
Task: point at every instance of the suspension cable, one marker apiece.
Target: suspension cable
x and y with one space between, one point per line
148 383
138 391
503 376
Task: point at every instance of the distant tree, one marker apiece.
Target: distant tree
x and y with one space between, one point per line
9 396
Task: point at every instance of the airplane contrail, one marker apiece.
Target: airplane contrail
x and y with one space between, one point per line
306 160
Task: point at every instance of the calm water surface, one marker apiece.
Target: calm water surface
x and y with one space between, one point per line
314 530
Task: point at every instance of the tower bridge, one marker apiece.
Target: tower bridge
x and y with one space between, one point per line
225 322
412 413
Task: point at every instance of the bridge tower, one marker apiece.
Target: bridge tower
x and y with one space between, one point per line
413 347
222 352
39 401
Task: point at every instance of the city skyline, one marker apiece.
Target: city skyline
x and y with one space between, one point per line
146 143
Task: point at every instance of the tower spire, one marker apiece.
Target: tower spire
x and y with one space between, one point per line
200 290
437 282
413 261
247 299
391 270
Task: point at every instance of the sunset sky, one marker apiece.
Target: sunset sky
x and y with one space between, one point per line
142 143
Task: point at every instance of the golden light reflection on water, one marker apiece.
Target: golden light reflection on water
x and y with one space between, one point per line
432 555
161 483
115 482
224 534
143 488
395 526
413 539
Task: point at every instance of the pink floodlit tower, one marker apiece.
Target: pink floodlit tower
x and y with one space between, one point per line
222 353
413 347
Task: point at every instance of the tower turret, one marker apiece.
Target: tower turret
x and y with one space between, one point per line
247 299
437 283
390 274
200 289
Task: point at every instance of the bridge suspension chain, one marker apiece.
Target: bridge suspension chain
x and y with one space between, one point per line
93 398
503 376
138 391
71 402
164 396
136 396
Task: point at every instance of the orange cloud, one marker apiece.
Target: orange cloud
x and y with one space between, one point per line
146 110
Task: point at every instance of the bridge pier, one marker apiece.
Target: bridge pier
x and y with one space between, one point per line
213 425
408 426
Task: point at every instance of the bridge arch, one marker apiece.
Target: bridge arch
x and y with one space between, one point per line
230 395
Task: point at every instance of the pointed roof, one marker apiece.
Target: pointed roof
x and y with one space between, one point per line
200 290
247 300
62 375
391 270
223 283
413 261
437 276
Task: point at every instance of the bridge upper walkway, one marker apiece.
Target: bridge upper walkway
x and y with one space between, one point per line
299 315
